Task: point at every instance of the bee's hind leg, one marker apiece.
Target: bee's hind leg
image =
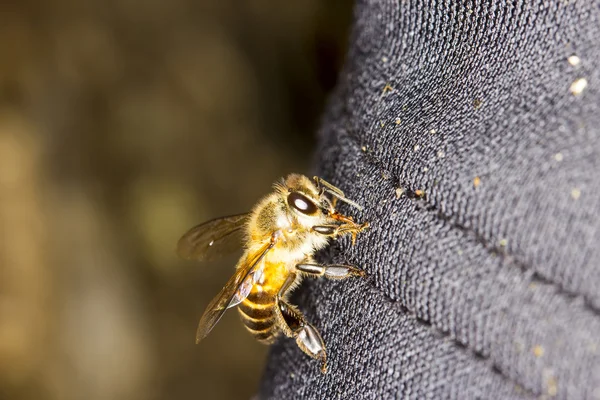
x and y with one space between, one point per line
293 324
335 271
307 337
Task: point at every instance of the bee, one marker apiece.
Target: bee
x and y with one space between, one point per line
281 234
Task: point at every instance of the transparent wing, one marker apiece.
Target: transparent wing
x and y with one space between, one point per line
213 238
235 290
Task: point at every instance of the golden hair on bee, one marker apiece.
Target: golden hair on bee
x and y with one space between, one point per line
280 236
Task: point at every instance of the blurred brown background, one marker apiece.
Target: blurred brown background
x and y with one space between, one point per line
122 124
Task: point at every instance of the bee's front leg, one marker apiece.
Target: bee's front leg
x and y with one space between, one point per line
335 230
327 230
335 271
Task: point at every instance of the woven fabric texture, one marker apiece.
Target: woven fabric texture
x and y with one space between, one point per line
470 132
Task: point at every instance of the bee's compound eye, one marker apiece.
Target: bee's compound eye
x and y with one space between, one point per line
301 203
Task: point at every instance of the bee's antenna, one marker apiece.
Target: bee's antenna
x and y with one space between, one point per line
336 192
345 200
321 181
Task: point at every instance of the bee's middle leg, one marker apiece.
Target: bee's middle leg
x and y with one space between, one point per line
335 271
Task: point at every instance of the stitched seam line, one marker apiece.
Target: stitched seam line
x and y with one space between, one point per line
477 356
503 255
500 252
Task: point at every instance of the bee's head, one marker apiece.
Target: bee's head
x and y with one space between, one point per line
308 198
303 199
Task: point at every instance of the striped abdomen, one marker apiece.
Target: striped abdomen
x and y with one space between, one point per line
258 309
258 316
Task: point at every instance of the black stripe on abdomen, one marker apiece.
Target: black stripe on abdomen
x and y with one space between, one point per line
258 319
257 324
256 311
261 298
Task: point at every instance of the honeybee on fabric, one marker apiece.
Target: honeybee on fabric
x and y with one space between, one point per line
280 236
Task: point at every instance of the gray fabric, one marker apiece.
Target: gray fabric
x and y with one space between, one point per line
474 291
